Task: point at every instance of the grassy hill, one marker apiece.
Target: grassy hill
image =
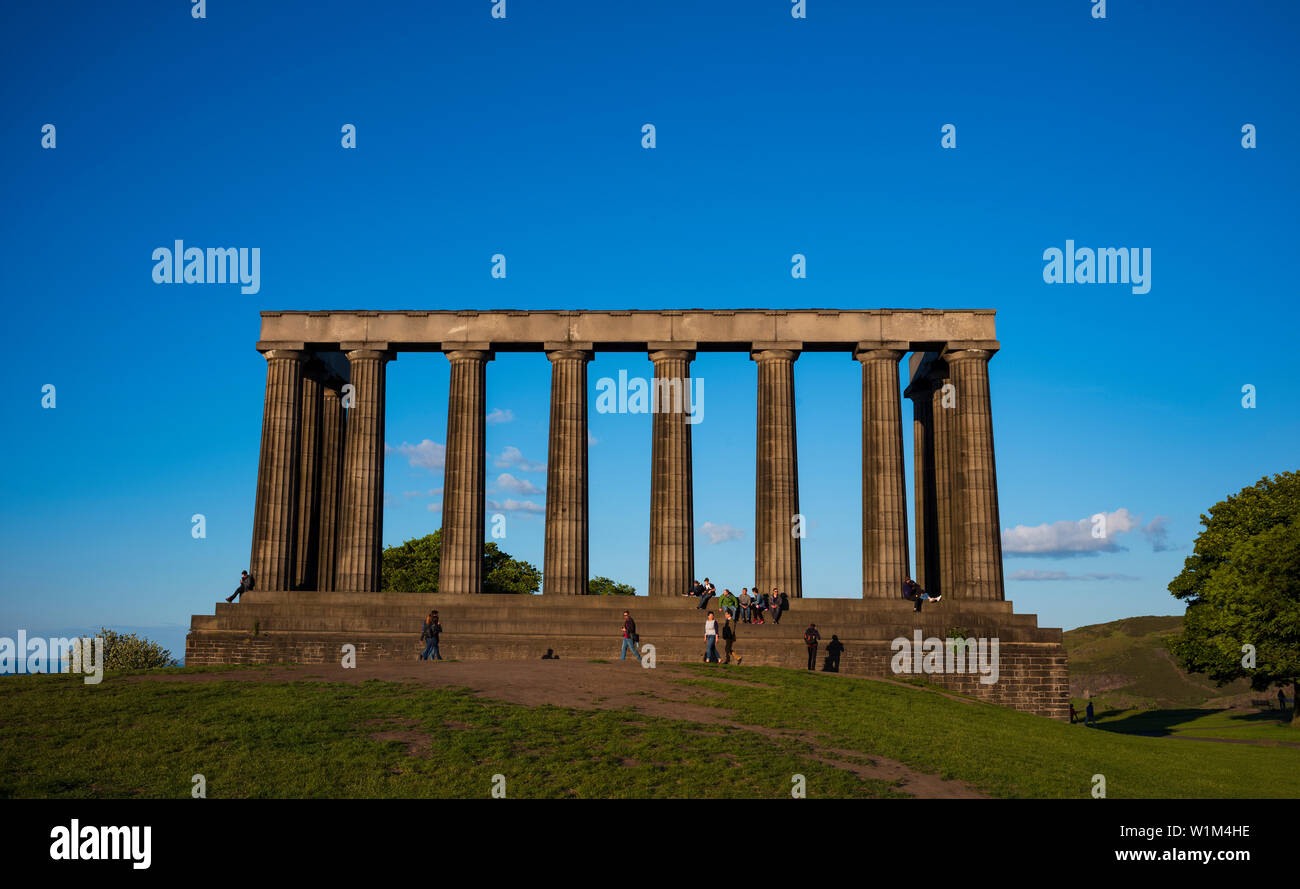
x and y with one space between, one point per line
372 738
1124 664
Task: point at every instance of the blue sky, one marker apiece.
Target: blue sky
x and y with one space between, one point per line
522 136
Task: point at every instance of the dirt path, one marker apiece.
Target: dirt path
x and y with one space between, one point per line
587 686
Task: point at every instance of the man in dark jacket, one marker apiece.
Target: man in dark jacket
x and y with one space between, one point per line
779 604
245 584
833 650
810 638
629 638
729 638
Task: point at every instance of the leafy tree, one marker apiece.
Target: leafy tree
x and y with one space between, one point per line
603 586
127 651
1242 586
413 568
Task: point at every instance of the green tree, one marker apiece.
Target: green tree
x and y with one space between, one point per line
603 586
413 568
1242 587
127 651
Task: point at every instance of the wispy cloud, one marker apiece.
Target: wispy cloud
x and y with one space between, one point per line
427 454
1061 575
512 457
499 416
515 506
720 533
507 482
1067 539
432 492
1157 534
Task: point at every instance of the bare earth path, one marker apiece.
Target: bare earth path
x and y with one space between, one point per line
586 686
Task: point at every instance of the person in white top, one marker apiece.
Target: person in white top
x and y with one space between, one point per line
711 640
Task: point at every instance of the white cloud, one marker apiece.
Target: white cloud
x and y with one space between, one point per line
515 506
499 416
1157 534
507 482
427 454
513 457
435 507
720 533
1066 539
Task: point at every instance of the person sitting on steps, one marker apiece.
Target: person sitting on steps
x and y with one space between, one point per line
245 584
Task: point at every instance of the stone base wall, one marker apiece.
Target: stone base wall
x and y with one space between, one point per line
1033 674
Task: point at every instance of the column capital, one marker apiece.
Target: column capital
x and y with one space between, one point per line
774 352
268 345
884 351
669 354
666 345
368 351
956 351
470 354
465 347
291 354
568 351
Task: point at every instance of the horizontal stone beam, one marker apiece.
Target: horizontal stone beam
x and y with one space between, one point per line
818 330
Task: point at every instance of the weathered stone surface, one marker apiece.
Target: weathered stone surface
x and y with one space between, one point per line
884 483
566 561
275 512
777 560
361 516
461 567
672 511
978 561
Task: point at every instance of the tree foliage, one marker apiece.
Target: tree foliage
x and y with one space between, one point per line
127 651
1242 587
603 586
413 568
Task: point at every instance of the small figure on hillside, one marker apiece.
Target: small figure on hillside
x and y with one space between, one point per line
429 634
630 638
710 640
1088 714
729 638
550 656
1074 714
833 650
810 638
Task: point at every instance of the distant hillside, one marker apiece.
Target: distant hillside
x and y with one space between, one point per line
1125 664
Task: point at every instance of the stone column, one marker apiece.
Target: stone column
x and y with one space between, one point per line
884 483
309 466
461 568
672 511
564 571
275 510
921 394
361 514
979 558
331 475
943 407
776 488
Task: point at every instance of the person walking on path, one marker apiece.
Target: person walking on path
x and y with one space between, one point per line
810 638
429 634
710 640
729 639
245 584
630 638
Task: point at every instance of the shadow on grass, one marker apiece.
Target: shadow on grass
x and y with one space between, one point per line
1151 722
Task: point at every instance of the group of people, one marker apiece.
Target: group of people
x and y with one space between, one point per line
746 608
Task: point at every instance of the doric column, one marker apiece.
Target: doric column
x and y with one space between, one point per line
921 393
564 571
332 448
309 456
361 514
884 483
275 511
672 515
461 568
776 486
979 559
943 407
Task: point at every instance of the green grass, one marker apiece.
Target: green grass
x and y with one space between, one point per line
313 739
1263 725
60 737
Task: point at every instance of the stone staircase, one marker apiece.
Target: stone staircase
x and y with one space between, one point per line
299 626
